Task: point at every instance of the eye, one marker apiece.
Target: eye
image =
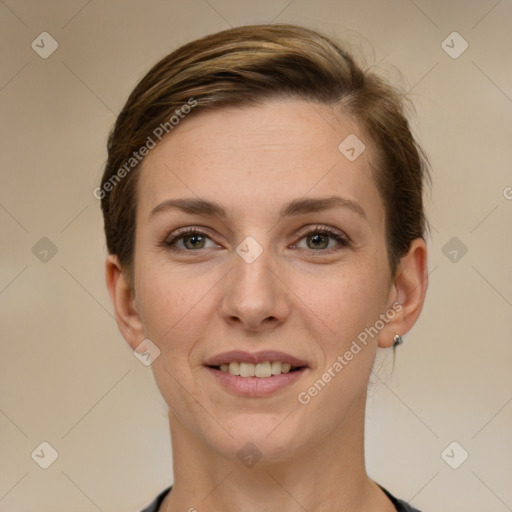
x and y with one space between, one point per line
318 239
188 239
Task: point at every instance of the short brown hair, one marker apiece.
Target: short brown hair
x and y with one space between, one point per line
245 66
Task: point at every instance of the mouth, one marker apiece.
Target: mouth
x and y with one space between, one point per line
257 374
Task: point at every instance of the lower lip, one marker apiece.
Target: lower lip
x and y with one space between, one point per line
256 386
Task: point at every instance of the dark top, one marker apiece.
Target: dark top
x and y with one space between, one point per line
400 505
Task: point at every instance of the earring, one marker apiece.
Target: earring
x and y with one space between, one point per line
397 340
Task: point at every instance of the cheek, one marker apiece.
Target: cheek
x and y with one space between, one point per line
174 302
344 300
347 305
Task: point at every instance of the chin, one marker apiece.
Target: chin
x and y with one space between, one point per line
264 437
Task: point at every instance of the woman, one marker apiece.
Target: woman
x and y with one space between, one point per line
263 212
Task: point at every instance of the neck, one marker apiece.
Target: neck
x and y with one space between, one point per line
327 475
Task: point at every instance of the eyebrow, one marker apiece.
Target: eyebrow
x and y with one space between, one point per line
197 206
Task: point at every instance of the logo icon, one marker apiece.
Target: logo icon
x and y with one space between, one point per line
454 249
44 455
249 250
44 250
454 455
44 45
146 352
454 45
249 455
351 147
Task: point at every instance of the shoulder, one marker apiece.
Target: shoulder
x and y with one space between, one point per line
155 504
401 506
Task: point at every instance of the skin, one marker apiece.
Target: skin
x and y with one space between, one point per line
304 296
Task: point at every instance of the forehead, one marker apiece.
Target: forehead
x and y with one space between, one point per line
267 154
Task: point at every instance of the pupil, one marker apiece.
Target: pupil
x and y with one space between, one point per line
315 238
196 238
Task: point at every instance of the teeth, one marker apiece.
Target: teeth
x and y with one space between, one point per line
234 368
275 367
246 370
261 370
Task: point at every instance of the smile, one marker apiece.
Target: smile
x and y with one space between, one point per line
260 370
261 385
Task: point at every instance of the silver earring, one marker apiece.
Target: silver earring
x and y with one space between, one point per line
397 340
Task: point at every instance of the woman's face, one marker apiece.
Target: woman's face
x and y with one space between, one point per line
261 274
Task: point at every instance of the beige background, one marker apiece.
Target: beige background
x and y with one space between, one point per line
68 378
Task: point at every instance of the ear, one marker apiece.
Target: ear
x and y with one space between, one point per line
123 300
407 293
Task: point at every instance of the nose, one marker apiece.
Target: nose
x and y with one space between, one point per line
255 298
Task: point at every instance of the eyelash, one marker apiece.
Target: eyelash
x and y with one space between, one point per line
321 230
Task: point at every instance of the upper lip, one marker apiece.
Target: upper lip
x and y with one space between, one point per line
254 357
